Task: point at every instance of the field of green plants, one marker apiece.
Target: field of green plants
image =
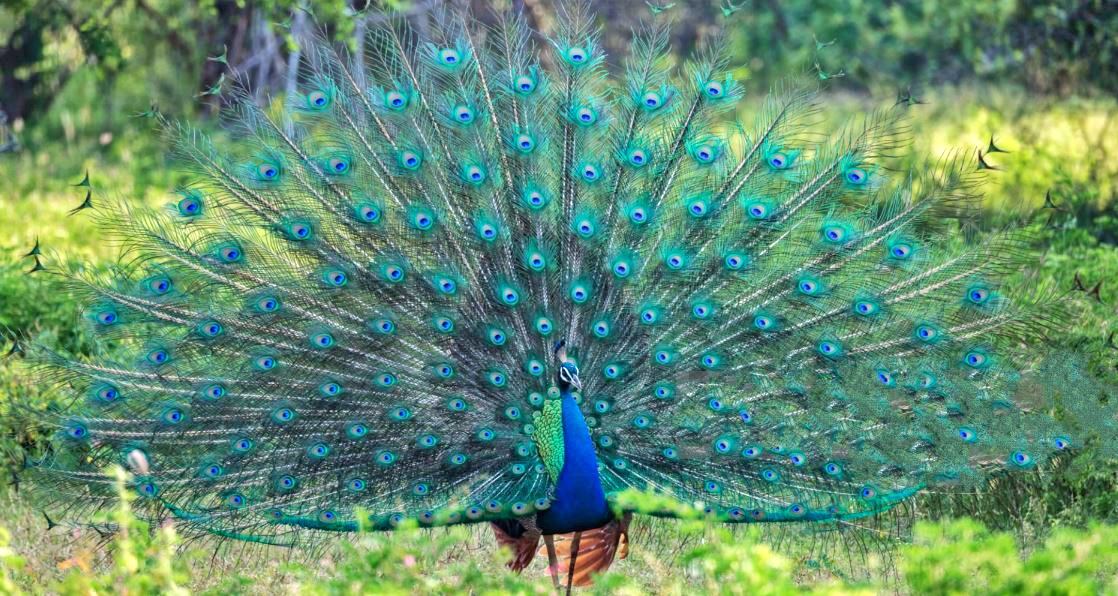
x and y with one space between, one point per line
1051 531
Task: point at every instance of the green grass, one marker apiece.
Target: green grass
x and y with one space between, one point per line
946 558
1069 148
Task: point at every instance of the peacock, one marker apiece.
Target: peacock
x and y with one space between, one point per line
470 276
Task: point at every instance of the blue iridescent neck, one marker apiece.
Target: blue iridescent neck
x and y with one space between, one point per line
579 503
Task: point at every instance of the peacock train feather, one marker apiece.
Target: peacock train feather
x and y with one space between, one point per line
463 278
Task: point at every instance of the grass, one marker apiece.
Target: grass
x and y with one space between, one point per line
945 558
1068 148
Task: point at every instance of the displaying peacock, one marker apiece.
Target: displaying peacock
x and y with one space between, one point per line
458 279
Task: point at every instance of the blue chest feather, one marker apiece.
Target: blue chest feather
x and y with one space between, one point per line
580 502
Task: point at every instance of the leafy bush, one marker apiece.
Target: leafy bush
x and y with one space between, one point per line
945 558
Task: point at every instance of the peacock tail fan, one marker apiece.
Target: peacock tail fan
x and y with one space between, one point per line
347 318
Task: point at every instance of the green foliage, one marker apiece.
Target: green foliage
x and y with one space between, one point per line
894 44
945 558
963 557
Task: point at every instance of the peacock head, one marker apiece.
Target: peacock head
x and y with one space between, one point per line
567 376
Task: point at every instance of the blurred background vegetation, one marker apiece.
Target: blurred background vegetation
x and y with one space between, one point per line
1036 77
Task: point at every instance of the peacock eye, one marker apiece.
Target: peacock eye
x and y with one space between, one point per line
577 55
698 208
525 143
337 165
586 116
975 359
268 171
318 99
544 326
865 307
704 154
230 254
524 84
108 393
322 340
160 285
444 324
652 100
536 261
396 100
449 56
1021 458
757 210
411 160
828 348
474 174
900 251
978 295
335 278
367 212
173 416
733 262
190 205
463 114
856 176
601 329
638 157
107 317
713 89
834 233
267 304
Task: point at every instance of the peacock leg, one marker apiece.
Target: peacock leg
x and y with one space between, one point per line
574 558
552 560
